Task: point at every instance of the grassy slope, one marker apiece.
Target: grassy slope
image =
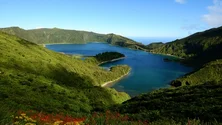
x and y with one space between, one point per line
153 46
124 42
200 101
32 77
55 35
200 47
209 72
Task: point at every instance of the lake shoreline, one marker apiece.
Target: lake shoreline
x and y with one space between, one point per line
115 80
165 55
44 44
158 72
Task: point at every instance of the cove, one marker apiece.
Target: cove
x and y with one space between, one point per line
148 71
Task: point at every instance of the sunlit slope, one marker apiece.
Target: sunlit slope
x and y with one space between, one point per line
33 77
210 72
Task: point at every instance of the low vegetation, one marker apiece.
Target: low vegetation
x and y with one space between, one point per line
109 56
124 42
209 72
105 57
32 77
198 49
96 118
201 102
153 46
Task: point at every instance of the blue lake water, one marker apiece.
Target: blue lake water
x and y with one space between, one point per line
149 71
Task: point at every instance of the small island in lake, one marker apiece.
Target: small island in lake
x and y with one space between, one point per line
109 57
104 57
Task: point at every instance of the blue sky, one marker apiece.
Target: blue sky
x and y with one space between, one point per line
132 18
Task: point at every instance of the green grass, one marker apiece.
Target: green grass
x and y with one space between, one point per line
209 72
96 118
199 48
32 77
195 102
153 46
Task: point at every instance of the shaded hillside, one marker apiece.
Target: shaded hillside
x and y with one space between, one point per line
202 102
32 77
200 47
124 42
210 72
55 35
152 46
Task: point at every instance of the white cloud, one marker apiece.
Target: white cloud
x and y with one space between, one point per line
214 17
180 1
39 27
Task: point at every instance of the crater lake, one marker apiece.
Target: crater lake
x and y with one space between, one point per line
148 71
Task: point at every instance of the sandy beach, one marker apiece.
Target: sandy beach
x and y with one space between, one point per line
110 82
112 60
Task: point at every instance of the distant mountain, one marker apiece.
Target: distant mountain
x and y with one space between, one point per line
152 46
35 78
199 48
55 35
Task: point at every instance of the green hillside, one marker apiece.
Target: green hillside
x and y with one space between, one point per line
200 50
124 42
55 35
210 72
202 102
152 46
32 77
200 47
